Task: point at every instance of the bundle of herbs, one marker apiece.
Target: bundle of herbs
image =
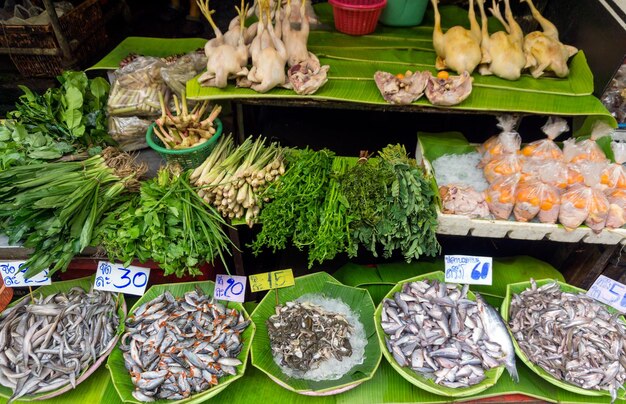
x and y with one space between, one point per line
167 222
391 204
69 119
296 203
54 207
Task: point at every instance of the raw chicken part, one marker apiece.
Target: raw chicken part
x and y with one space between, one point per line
308 76
451 91
502 52
463 200
535 198
543 50
500 196
503 166
458 49
401 90
614 176
224 61
269 55
617 208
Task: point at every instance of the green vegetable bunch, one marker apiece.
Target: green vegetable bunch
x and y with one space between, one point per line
167 222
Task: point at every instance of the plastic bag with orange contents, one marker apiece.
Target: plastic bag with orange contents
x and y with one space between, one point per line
546 148
535 198
577 172
617 208
585 203
503 166
550 172
507 142
500 196
588 149
614 175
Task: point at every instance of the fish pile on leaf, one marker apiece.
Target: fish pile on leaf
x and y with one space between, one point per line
433 328
174 347
48 343
571 336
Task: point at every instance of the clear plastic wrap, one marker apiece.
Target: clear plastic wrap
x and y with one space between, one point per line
614 175
583 172
463 200
507 142
136 88
546 148
500 196
585 203
617 208
503 166
185 68
550 172
587 149
129 132
536 199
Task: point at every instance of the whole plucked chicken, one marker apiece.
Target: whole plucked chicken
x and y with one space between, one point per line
503 53
269 55
544 52
224 60
459 48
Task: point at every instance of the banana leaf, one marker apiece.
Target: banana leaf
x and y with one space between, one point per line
358 300
517 288
491 375
63 287
120 376
160 47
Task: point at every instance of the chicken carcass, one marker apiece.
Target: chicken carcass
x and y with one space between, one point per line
463 200
544 51
308 76
224 60
295 40
450 91
458 49
403 89
269 56
503 54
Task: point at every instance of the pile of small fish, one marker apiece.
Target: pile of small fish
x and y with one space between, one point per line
48 343
433 328
305 335
174 347
571 336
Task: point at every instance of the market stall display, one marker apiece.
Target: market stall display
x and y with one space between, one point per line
203 345
57 339
319 364
580 337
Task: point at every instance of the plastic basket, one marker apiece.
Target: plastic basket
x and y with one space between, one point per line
188 158
357 17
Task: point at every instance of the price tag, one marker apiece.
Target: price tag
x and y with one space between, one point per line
608 291
131 280
271 280
469 269
228 287
13 275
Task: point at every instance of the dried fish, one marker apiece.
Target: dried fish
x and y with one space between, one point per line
49 342
433 328
571 336
176 347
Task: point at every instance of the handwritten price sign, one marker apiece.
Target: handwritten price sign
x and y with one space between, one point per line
231 288
607 291
131 280
13 275
468 269
271 280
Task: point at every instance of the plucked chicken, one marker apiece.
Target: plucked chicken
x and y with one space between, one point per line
224 60
544 52
458 49
503 53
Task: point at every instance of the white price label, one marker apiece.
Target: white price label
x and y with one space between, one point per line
469 269
608 291
230 287
13 275
131 280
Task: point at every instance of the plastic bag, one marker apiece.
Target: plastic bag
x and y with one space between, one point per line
136 88
503 166
463 200
617 208
550 172
546 148
185 68
535 198
129 132
585 173
588 149
585 203
507 142
614 175
500 196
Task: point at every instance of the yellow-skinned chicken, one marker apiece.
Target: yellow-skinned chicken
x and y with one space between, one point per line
503 54
544 51
459 48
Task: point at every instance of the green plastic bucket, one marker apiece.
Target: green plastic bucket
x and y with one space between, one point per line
403 13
